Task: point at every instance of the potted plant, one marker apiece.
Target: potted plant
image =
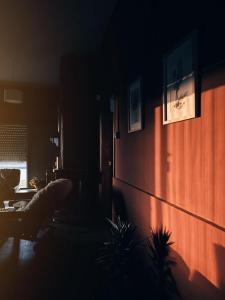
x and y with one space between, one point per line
158 248
134 268
115 258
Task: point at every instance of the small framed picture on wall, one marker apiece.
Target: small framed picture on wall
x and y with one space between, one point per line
135 110
180 89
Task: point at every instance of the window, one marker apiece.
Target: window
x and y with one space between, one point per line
13 150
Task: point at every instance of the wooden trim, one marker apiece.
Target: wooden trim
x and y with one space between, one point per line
174 205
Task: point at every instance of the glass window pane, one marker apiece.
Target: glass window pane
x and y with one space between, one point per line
21 165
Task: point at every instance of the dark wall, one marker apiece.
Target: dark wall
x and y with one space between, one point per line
79 129
172 175
79 113
141 32
42 104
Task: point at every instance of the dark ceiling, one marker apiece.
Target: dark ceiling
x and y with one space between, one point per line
35 34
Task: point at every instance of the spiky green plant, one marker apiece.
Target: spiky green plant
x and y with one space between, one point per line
115 257
130 272
115 254
159 252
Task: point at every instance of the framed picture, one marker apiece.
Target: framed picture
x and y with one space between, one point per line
135 114
180 89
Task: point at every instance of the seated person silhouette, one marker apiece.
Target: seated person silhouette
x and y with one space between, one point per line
28 219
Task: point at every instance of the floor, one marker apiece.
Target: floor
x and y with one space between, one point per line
60 266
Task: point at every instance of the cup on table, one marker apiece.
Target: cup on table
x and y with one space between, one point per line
7 207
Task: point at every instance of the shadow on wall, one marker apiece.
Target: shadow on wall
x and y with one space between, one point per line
195 285
118 205
191 284
132 211
220 258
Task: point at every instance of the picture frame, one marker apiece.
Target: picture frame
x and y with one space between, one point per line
135 106
180 87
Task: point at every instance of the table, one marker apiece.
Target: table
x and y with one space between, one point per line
22 194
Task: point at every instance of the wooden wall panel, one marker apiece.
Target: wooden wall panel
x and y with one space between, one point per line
174 176
182 163
199 247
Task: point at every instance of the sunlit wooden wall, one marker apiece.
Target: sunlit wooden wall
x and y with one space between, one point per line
174 175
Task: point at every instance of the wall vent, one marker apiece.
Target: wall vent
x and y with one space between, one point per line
13 96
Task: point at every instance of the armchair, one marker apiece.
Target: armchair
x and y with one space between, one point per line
26 222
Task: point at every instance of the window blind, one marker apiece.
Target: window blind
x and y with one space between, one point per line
13 142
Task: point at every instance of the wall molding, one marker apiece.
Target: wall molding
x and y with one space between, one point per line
196 216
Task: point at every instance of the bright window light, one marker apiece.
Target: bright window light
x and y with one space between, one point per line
21 165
